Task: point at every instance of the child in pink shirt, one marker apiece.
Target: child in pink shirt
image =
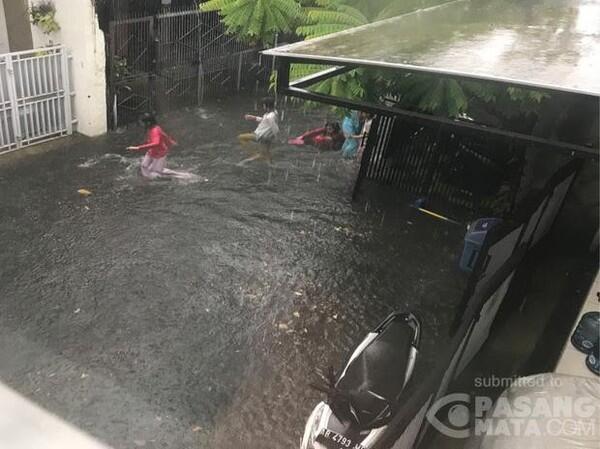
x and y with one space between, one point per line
157 146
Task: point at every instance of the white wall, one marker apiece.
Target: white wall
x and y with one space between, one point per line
80 34
4 48
25 425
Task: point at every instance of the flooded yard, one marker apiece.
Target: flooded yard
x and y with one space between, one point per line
193 314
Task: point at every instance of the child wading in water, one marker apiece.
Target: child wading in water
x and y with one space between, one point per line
264 134
157 146
329 137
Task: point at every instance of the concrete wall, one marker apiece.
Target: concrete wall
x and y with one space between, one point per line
4 47
80 33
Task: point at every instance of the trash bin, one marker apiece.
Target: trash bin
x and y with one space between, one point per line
474 238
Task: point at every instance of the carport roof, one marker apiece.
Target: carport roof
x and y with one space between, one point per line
549 44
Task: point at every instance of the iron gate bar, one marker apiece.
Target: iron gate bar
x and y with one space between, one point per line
125 43
426 161
183 12
309 80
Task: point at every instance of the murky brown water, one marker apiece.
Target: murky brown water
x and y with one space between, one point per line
193 314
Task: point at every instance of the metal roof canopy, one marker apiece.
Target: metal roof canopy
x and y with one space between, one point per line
545 44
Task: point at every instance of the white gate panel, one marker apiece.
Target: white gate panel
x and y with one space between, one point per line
35 97
8 139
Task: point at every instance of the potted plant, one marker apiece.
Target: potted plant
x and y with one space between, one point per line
42 15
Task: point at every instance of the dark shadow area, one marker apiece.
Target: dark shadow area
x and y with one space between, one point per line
536 318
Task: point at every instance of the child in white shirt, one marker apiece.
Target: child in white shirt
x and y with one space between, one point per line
265 133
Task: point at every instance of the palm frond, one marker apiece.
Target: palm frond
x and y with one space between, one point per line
319 15
312 31
256 19
329 16
481 91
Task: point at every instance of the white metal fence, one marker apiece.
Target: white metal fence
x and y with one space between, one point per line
35 97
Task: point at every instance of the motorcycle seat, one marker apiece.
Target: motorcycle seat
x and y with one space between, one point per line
379 370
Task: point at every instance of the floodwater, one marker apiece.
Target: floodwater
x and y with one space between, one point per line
193 314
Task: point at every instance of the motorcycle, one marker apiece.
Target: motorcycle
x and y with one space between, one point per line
364 398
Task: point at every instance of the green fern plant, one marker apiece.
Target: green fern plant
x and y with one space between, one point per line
435 95
448 97
256 20
329 16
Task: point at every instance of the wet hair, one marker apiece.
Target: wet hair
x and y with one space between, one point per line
269 103
335 126
148 119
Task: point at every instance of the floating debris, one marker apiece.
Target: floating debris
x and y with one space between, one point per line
298 293
196 429
84 192
84 376
76 311
296 314
283 327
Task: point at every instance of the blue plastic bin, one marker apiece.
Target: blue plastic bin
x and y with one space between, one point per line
474 241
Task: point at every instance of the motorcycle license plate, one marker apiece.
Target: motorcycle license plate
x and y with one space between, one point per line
334 440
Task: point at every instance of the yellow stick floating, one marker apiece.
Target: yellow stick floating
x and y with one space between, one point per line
441 217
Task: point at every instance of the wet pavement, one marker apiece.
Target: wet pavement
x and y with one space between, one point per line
180 314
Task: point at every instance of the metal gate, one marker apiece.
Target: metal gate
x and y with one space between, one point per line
178 55
171 60
456 171
35 97
225 62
